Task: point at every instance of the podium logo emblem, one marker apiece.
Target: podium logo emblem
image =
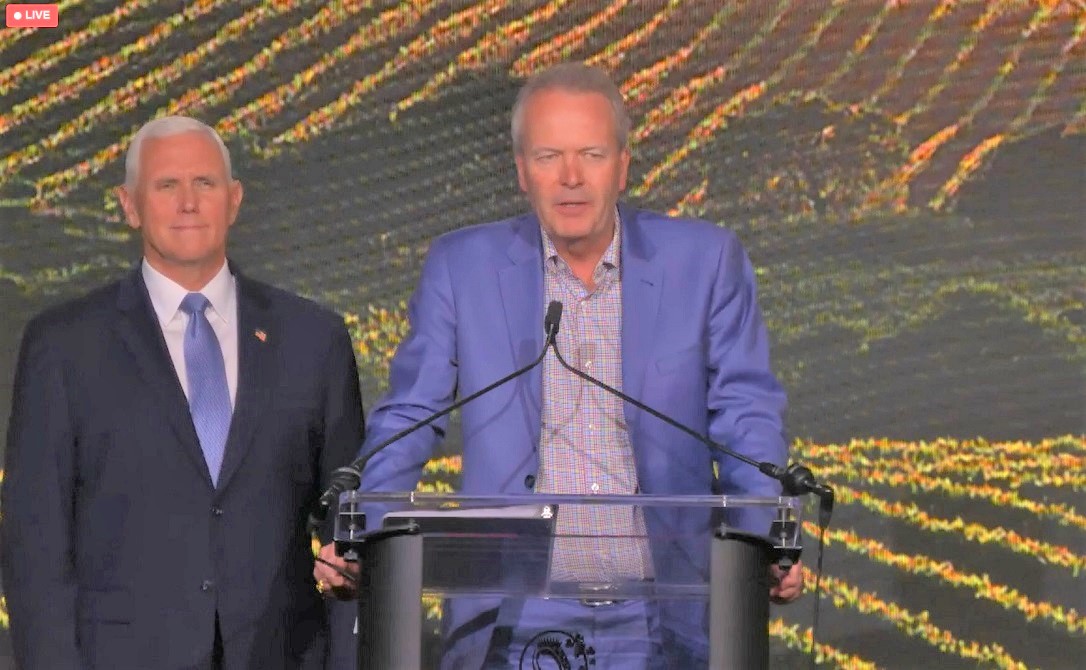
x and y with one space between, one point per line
561 649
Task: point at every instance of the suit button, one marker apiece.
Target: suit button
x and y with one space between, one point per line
529 482
216 511
207 585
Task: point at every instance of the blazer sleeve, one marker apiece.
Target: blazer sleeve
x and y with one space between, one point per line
746 403
37 498
343 414
422 381
343 432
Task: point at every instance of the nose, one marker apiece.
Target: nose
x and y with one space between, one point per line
572 175
186 198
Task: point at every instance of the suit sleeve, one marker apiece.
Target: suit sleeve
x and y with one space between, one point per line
422 381
37 498
746 403
343 432
343 414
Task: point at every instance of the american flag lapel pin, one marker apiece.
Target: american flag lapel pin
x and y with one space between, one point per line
260 335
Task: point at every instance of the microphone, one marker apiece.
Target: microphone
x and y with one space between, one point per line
795 479
349 477
551 321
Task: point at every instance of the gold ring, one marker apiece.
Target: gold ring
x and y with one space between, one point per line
321 586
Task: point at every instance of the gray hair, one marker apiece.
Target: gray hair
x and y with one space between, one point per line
579 78
168 126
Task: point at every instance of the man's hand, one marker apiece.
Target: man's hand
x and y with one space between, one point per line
785 586
328 572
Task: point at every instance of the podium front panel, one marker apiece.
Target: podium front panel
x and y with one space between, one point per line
504 579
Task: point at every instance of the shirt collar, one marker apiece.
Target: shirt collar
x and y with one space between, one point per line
166 294
610 256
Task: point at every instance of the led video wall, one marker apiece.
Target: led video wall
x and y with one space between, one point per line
908 178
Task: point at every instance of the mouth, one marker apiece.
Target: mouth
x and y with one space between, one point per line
571 206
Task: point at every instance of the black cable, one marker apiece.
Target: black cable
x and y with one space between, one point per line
795 478
825 507
349 477
338 570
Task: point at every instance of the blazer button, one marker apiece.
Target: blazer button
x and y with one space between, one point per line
529 482
216 511
207 585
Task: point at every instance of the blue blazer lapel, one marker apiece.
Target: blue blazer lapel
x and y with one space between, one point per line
521 286
642 281
257 346
138 328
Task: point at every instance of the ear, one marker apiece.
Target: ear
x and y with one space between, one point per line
521 179
624 158
237 193
128 204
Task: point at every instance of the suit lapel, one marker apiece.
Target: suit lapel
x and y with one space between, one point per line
521 286
257 344
138 328
642 281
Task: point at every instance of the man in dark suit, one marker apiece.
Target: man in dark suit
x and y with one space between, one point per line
168 435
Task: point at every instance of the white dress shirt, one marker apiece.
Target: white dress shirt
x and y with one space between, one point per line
222 313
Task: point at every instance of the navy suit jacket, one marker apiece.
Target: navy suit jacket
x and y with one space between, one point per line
694 346
117 549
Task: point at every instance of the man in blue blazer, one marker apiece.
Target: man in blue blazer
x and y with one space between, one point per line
162 456
663 308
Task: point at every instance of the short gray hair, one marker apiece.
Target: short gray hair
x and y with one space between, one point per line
579 78
168 126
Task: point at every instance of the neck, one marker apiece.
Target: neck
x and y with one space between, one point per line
584 250
583 256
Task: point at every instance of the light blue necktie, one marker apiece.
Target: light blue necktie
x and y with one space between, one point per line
209 396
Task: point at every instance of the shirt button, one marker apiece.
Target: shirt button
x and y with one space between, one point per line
216 511
588 364
207 585
595 487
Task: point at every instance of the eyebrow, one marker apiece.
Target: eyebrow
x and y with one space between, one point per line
173 180
555 150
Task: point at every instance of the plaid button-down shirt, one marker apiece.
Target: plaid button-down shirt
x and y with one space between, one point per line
585 445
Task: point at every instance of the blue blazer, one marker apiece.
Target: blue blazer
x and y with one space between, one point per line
694 346
117 549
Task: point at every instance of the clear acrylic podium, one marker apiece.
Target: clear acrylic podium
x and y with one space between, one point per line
492 549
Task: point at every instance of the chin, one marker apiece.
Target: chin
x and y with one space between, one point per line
572 229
